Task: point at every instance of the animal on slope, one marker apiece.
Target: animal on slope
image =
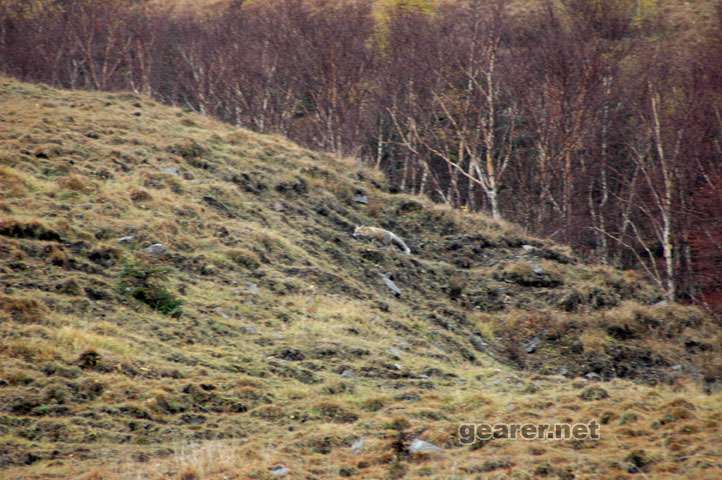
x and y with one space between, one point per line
382 235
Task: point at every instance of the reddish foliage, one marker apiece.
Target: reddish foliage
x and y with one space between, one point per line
706 241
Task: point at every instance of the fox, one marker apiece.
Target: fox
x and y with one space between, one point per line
382 235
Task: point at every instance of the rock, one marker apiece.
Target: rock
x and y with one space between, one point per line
252 289
421 446
593 376
361 198
347 374
392 286
357 447
157 249
530 346
528 248
170 171
394 352
126 239
478 343
279 471
538 270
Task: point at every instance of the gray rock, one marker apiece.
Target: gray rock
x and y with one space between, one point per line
478 343
170 171
357 447
531 345
252 289
156 249
392 286
421 446
394 352
126 239
279 471
538 270
249 330
347 374
528 248
361 198
593 376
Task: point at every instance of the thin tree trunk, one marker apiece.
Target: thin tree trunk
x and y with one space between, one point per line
666 207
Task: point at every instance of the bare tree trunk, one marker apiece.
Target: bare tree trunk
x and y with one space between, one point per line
603 248
666 203
379 144
424 177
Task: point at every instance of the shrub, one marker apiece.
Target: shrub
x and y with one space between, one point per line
144 282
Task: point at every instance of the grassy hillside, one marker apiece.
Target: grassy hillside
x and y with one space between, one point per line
260 333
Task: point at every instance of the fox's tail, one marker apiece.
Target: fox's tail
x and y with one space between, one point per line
402 245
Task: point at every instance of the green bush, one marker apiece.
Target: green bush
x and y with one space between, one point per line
144 282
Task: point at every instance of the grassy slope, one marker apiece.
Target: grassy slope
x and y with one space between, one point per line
245 380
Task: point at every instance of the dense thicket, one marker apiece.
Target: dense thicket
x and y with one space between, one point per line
589 122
